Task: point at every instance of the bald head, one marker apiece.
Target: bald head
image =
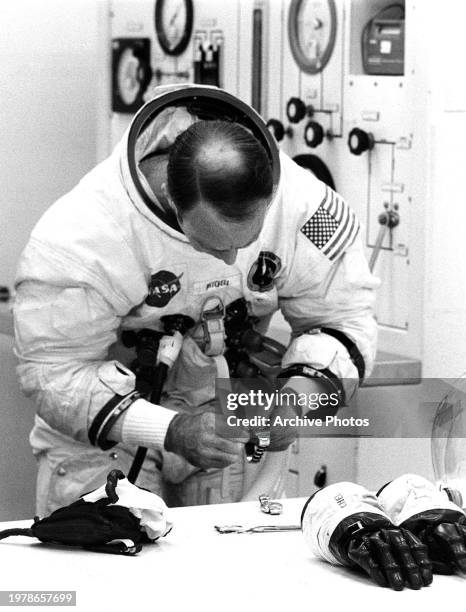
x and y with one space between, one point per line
222 164
221 157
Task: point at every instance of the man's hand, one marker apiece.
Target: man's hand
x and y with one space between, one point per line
205 440
282 430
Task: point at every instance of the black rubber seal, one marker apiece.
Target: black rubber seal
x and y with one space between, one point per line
350 346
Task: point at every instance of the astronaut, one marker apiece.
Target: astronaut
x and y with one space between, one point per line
195 206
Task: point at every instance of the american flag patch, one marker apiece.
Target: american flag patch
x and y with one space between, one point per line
333 227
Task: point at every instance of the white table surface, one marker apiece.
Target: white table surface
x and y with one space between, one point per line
195 568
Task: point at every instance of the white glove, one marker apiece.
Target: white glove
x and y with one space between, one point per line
149 508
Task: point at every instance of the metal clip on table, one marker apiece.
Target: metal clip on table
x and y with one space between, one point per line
256 529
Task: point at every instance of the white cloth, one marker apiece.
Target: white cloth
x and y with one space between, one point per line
149 508
328 508
85 272
411 494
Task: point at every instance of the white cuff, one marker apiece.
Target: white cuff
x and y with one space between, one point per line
411 494
321 351
146 424
326 511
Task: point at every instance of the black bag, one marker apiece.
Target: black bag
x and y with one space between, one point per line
95 526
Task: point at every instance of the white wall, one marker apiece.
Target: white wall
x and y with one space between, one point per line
445 293
48 110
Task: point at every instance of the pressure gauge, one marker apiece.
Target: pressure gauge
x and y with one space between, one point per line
312 26
174 24
131 73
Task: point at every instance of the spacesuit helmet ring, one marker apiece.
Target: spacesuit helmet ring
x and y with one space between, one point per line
205 103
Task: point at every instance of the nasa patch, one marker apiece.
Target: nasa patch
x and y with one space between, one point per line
163 286
264 271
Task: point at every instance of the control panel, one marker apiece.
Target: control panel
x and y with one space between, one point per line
159 42
341 86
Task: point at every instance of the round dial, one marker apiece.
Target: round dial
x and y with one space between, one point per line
129 77
174 24
312 28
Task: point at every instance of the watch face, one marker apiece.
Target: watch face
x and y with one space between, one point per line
173 24
311 30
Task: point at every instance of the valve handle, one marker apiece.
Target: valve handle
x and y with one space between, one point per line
388 220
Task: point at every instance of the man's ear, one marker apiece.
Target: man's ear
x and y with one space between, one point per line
164 189
172 204
178 217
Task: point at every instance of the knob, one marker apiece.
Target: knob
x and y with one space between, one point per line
129 338
278 130
390 218
252 340
320 477
147 346
360 141
5 294
245 369
296 110
177 322
313 134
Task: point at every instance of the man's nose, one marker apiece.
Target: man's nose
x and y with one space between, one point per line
229 257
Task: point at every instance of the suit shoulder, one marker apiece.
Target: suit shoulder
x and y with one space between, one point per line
301 191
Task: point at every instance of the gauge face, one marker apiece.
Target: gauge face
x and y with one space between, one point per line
311 30
174 24
131 73
128 81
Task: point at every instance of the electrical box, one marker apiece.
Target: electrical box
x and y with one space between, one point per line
383 42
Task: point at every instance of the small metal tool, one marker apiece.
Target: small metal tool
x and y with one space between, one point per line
270 507
256 528
256 447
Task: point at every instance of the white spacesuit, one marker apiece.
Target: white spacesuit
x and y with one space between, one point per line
100 260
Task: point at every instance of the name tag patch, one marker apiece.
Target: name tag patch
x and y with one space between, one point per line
210 284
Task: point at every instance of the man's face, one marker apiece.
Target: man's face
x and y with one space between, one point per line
211 233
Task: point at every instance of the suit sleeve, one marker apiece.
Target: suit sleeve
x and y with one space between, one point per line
329 292
62 339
